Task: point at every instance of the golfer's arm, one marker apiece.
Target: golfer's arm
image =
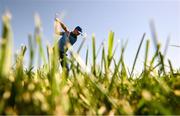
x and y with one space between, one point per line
58 32
63 26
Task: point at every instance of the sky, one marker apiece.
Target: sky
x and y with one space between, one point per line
128 19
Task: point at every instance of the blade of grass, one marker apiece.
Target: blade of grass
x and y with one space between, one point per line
82 43
6 46
39 39
166 46
87 53
110 47
137 54
153 59
171 68
31 51
154 35
105 62
162 63
98 50
146 54
124 70
94 55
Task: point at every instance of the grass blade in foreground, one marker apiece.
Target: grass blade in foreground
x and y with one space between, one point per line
110 47
94 55
146 55
6 45
137 55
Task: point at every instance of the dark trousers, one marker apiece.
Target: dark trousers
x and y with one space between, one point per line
63 60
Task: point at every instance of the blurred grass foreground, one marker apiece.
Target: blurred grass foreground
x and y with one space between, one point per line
99 89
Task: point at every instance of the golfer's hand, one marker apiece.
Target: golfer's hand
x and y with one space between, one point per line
58 20
68 33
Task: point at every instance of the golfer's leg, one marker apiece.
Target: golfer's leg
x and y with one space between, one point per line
67 67
63 61
61 57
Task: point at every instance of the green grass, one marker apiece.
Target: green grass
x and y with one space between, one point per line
104 89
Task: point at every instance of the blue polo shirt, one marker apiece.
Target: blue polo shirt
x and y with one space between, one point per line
62 41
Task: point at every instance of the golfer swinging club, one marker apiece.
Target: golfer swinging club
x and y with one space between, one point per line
67 38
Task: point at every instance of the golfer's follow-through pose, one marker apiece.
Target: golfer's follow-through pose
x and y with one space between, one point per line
67 38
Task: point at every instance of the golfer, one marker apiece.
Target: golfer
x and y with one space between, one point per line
67 39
